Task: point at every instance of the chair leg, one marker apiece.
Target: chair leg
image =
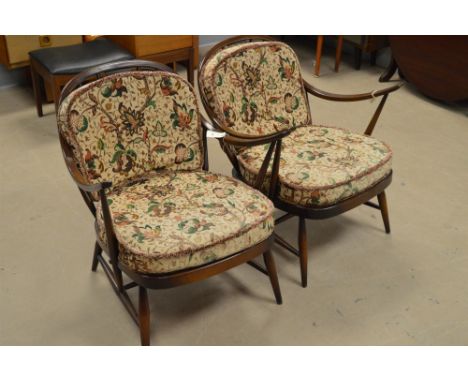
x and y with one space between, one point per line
384 210
37 88
357 58
57 92
144 316
271 267
97 252
303 255
339 49
318 55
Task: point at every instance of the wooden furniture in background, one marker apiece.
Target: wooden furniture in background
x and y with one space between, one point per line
163 49
366 44
436 65
318 54
14 50
53 68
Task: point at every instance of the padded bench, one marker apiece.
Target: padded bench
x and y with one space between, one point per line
56 66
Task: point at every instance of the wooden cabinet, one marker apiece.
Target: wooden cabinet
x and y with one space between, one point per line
14 50
164 49
367 44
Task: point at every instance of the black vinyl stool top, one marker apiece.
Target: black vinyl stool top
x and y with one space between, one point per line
76 58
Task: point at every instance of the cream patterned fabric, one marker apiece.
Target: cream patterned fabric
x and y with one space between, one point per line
256 89
176 220
322 165
141 131
127 124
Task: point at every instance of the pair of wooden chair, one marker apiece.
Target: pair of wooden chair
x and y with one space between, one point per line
135 143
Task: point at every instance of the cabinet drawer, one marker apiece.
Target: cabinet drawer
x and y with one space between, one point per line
18 47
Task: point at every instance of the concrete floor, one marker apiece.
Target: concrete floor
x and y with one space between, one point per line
365 287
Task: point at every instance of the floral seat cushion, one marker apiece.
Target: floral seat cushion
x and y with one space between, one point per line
322 165
173 220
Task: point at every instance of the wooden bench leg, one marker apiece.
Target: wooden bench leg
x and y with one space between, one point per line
37 88
57 91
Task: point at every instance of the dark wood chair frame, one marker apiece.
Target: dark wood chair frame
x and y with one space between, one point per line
275 141
114 269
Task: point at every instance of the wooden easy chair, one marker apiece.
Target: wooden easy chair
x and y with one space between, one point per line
133 141
252 89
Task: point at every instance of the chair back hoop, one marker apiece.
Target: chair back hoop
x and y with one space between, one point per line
253 89
103 70
118 124
215 49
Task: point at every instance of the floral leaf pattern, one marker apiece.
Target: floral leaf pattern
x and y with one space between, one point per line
322 165
256 88
170 220
127 124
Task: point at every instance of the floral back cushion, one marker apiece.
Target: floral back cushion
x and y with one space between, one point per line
128 124
258 90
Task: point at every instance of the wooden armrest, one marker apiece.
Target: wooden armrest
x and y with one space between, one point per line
349 97
80 181
248 142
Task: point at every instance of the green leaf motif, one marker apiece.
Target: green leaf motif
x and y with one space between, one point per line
151 103
219 80
84 126
116 156
106 92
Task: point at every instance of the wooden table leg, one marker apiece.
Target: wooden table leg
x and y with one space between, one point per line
339 47
318 54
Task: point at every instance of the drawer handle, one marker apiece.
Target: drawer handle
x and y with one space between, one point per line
45 41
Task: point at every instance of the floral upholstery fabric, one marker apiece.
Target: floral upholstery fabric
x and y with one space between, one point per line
322 165
127 124
175 220
256 88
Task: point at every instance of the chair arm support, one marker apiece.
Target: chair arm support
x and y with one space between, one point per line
80 181
349 97
209 129
249 142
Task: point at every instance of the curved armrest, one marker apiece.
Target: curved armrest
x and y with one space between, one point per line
349 97
79 179
247 142
209 129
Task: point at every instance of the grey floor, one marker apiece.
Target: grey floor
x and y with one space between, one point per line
365 287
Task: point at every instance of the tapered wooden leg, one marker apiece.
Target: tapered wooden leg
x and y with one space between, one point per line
384 210
57 91
357 58
191 68
373 58
271 267
303 255
339 48
318 55
144 316
97 252
37 88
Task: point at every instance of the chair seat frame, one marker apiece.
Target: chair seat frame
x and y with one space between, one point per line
113 268
274 151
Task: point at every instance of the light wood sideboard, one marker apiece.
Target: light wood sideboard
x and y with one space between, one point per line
14 50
